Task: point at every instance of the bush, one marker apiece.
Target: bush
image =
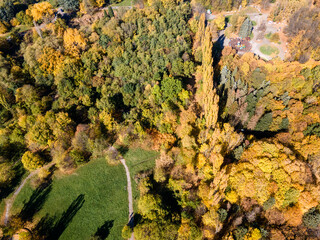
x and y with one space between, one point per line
311 219
275 37
78 157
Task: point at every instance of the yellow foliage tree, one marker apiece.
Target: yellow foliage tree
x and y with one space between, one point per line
40 10
51 60
220 22
73 42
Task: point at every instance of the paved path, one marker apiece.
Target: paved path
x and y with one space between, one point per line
123 161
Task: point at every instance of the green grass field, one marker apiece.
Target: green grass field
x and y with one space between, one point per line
105 197
269 50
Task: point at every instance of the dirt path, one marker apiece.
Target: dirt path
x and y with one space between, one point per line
129 188
10 201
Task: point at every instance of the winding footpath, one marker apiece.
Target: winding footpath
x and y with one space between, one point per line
10 201
129 188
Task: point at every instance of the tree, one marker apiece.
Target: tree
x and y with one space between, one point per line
73 42
206 94
6 10
246 28
110 12
6 174
69 5
41 10
31 161
220 21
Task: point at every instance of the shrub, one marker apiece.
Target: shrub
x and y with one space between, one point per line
275 37
78 157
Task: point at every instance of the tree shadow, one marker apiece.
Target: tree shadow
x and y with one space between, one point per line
34 203
52 228
7 190
104 231
123 149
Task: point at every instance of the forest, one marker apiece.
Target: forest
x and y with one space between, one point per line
237 137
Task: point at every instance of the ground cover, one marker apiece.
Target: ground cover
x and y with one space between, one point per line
269 50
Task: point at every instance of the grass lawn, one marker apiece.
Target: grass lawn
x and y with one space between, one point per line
105 199
124 3
269 50
103 188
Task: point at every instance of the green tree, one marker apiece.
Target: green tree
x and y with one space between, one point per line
6 10
69 5
110 12
246 28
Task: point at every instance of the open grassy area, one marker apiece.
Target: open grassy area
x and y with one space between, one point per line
92 197
269 50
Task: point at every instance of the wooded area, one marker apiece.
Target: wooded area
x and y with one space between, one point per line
238 137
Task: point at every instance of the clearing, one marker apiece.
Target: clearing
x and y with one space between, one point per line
91 201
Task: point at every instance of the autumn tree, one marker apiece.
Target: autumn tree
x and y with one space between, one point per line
40 11
73 42
220 22
6 174
206 94
32 161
